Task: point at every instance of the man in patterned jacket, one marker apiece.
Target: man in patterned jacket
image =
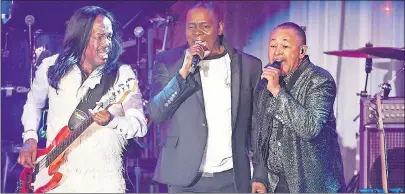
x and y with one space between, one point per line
294 128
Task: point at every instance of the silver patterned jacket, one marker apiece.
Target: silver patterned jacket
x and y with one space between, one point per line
308 146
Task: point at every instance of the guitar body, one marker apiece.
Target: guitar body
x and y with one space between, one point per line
46 178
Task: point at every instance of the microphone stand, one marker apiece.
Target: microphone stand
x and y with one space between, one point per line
169 18
29 21
32 55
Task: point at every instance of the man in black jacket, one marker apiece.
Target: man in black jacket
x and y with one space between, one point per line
207 110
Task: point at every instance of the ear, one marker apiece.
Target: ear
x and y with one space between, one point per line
303 51
221 28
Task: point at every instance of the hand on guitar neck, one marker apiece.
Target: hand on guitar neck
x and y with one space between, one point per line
102 117
28 153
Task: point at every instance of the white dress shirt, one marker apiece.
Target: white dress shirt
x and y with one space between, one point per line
215 76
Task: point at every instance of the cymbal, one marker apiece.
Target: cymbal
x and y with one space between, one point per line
350 53
385 52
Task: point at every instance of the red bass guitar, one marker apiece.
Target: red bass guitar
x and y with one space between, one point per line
51 158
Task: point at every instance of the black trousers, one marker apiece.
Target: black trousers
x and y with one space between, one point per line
282 185
222 182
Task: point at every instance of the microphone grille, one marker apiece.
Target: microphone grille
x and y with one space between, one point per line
29 20
138 31
276 64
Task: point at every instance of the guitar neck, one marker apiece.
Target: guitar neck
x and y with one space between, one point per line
60 148
384 173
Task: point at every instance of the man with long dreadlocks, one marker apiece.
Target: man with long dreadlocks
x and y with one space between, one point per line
79 76
294 128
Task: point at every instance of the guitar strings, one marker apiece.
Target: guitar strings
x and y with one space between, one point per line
42 163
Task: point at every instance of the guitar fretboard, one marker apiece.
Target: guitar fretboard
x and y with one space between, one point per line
76 132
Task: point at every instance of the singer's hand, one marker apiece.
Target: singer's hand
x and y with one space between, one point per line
272 75
193 50
258 187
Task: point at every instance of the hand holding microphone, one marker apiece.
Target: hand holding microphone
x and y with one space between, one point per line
194 54
270 77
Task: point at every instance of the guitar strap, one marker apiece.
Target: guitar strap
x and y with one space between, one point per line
93 96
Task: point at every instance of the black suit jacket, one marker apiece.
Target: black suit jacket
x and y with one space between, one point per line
179 104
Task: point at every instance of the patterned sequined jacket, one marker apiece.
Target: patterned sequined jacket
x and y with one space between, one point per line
309 149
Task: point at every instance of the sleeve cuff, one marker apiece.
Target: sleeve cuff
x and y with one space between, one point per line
113 123
259 180
30 134
182 82
119 125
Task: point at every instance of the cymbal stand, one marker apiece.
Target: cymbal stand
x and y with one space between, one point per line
386 87
369 67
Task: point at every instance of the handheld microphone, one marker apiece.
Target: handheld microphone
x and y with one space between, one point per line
196 59
194 62
263 82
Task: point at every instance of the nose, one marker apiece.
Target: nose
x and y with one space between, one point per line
198 32
106 41
279 51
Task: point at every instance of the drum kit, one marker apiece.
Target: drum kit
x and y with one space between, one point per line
369 52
